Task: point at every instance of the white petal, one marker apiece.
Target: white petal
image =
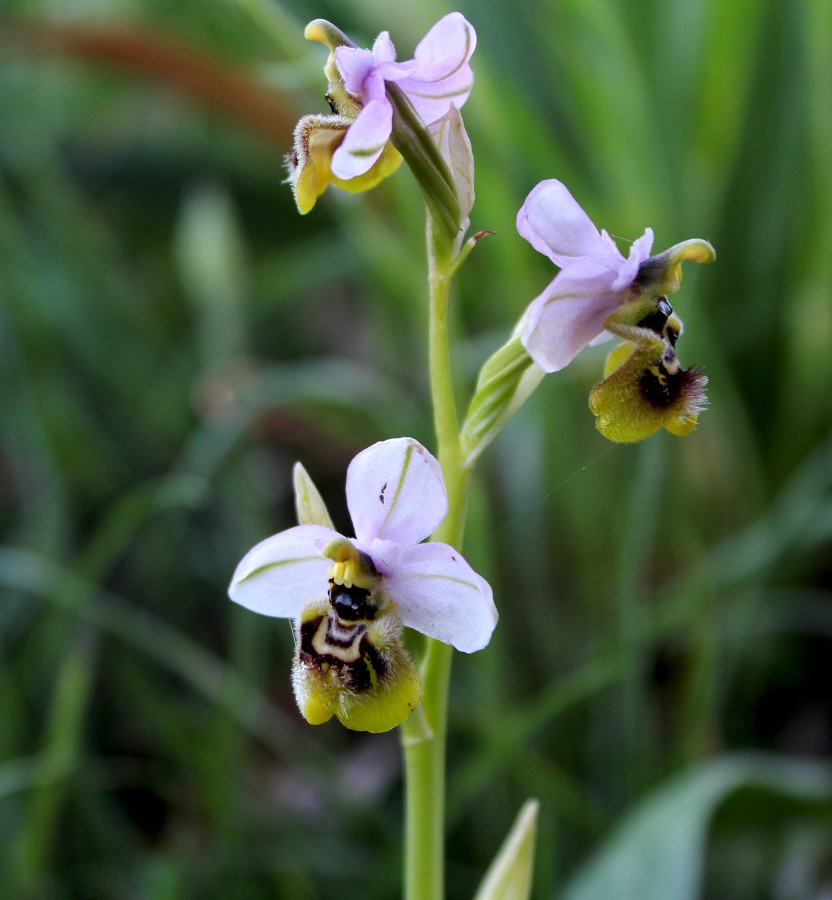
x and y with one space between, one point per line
552 221
439 594
395 492
445 49
280 575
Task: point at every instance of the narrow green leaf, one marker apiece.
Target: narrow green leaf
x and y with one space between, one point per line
509 877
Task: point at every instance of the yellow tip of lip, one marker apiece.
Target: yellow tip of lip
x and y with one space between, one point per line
316 713
315 32
695 250
326 33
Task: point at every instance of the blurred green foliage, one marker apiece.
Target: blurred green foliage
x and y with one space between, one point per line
173 336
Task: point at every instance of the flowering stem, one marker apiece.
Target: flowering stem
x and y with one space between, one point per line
424 733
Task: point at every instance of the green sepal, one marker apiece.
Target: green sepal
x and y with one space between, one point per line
450 136
505 383
509 877
412 139
309 505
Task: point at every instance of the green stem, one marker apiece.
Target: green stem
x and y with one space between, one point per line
424 733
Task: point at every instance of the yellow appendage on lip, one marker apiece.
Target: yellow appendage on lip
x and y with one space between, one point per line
350 567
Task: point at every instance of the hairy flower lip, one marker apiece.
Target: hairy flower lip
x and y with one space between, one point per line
641 395
316 139
645 386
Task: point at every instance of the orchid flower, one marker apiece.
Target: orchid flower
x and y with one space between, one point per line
350 597
595 280
373 97
437 78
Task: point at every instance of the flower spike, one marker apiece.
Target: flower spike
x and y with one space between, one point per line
350 597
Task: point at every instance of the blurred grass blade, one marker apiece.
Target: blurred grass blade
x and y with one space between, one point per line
213 266
209 675
60 751
509 877
520 727
281 26
130 512
18 775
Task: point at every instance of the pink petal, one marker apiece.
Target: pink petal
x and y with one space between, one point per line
365 140
552 221
395 492
355 65
439 594
280 575
569 314
638 253
383 49
395 71
445 49
441 76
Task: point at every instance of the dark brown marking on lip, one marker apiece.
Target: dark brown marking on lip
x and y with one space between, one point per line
357 663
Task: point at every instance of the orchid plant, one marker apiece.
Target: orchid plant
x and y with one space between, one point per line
350 597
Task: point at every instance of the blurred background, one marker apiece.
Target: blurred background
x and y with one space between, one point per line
173 336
